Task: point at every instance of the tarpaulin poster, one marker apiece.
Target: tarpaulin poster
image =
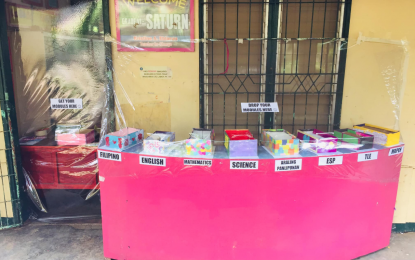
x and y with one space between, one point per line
155 25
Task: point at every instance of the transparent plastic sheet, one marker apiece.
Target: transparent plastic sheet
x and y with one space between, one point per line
76 165
59 75
31 191
392 62
391 58
298 177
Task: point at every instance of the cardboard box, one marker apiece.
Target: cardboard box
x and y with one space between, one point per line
240 143
200 142
383 136
123 139
318 141
159 142
357 140
280 142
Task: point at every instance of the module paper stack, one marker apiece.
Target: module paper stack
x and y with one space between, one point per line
67 134
83 136
31 140
67 129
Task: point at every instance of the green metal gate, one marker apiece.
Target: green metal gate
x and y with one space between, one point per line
10 166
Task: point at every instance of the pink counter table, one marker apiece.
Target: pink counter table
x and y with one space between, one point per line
310 207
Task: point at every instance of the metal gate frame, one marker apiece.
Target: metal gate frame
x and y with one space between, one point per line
272 39
10 133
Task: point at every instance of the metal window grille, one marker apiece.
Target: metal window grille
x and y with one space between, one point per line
285 51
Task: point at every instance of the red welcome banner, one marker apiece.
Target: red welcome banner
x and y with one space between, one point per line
155 25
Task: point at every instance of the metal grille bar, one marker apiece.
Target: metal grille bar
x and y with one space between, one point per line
283 51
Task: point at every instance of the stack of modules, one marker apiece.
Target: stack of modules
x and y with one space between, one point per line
240 143
382 135
84 136
158 142
66 134
67 129
200 142
318 141
358 140
280 142
123 139
30 140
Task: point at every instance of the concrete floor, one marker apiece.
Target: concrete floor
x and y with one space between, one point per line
39 241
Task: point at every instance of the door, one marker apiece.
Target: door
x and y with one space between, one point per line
54 49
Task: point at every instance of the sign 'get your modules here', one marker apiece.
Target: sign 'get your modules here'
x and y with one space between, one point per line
253 107
66 103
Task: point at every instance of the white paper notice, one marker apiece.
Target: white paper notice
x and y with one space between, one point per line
109 156
288 165
244 165
156 72
155 161
197 162
66 103
361 157
397 150
256 107
334 160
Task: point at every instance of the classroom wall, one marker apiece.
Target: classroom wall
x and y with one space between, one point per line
373 83
369 92
157 104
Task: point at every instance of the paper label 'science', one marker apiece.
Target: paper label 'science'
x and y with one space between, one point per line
244 165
